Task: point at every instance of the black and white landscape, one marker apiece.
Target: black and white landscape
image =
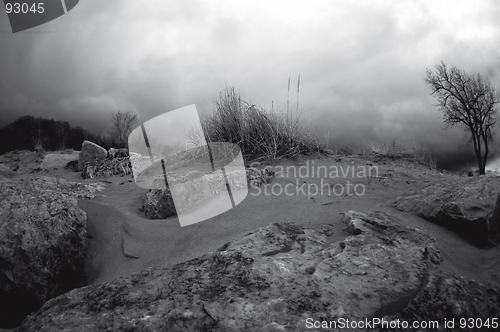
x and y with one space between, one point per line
369 136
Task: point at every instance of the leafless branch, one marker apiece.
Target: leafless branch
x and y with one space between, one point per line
467 100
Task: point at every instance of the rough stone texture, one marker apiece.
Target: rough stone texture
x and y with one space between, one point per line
447 297
18 162
117 153
42 241
258 176
72 166
494 222
463 204
56 160
270 280
158 204
89 152
107 168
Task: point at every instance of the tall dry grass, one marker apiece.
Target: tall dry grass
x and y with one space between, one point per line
261 135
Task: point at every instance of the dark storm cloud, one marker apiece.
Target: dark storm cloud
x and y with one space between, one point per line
362 65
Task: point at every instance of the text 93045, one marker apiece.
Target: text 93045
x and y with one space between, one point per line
24 8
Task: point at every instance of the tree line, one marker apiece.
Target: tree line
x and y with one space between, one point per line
30 133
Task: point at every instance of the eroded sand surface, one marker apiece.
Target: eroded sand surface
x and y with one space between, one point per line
122 240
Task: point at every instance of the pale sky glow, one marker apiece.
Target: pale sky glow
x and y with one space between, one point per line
362 63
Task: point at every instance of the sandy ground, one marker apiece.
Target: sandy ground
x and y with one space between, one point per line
122 240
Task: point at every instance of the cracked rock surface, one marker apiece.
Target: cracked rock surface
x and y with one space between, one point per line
42 241
272 279
464 205
447 297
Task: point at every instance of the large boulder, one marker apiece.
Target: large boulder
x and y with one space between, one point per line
42 242
463 204
90 152
279 277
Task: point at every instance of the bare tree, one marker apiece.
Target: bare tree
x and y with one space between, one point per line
122 125
467 100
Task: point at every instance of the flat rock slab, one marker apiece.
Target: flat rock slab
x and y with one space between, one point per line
58 160
273 279
462 204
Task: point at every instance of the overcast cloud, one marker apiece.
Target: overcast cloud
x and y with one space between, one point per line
362 63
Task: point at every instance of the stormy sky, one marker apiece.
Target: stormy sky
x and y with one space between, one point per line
361 63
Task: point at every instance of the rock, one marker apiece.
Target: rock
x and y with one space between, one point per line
117 153
272 279
90 151
72 166
56 160
258 176
42 242
20 162
494 223
462 204
448 297
194 187
158 204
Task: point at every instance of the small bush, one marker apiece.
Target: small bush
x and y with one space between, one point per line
259 134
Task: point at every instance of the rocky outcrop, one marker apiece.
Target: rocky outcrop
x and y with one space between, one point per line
462 204
90 152
42 242
273 279
18 162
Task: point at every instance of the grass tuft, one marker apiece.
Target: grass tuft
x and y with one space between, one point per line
261 135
